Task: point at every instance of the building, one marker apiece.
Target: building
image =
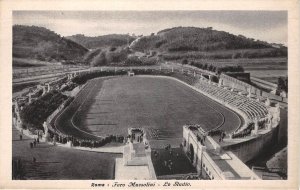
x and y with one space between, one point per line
210 160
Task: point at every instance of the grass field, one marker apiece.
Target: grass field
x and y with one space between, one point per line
267 75
268 69
161 106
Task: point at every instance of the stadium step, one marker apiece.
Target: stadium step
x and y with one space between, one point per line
38 170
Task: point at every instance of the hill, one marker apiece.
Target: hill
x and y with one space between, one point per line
39 43
180 40
111 40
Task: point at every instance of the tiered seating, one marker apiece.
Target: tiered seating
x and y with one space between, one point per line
251 108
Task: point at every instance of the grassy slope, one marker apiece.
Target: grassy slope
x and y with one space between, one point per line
111 40
205 43
42 44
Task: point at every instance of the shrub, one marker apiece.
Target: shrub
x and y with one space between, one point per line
112 49
116 56
282 84
149 61
133 60
99 60
184 62
34 114
160 43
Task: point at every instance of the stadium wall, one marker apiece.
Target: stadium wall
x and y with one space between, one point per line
248 150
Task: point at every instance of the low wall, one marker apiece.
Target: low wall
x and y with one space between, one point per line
247 150
264 83
238 84
150 166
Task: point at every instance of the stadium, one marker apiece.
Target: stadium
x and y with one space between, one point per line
171 105
111 105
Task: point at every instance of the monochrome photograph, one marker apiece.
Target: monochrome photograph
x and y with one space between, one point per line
158 95
149 95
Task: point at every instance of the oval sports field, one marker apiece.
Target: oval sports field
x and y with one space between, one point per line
159 105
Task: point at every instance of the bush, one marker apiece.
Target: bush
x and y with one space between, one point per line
160 43
149 61
116 56
184 62
99 60
282 84
225 69
34 114
112 49
133 60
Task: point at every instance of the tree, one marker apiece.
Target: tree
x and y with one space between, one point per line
236 55
205 67
200 65
99 60
116 56
133 60
214 69
184 62
215 79
240 69
282 84
218 70
42 107
112 49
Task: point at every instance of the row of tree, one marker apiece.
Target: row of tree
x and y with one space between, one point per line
120 57
84 77
213 68
34 114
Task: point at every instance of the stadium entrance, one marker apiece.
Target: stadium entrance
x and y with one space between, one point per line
192 153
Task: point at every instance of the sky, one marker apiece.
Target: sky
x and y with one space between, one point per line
270 26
